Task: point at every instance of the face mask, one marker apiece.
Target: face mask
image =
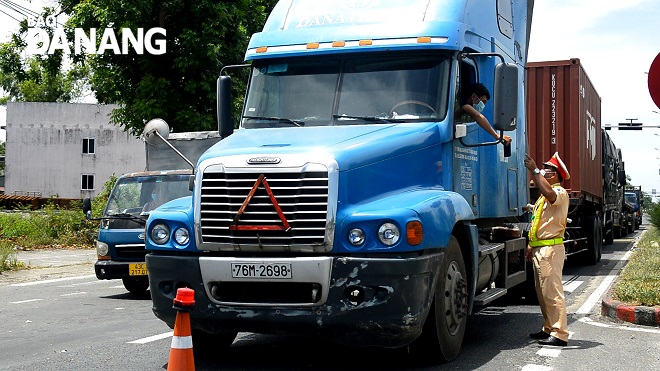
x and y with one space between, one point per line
153 196
479 106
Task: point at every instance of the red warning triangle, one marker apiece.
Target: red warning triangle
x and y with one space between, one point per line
285 224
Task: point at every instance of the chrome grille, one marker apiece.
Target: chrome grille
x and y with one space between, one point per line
301 196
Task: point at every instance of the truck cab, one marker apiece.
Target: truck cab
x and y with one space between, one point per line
120 242
635 198
353 203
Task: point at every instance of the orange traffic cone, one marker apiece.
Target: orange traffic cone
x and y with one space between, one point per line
181 352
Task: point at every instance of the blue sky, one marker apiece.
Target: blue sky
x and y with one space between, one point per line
616 42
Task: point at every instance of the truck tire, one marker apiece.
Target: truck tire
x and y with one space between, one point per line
608 229
444 328
136 285
594 234
609 236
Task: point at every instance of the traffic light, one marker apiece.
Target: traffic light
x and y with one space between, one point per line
630 126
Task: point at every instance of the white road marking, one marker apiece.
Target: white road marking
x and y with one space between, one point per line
589 321
572 286
549 352
75 293
53 280
152 338
25 301
536 368
596 296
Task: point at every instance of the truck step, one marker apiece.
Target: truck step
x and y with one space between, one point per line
490 248
489 296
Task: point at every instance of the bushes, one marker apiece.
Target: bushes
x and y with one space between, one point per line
49 227
639 282
654 214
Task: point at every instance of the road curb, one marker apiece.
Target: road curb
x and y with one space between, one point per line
637 314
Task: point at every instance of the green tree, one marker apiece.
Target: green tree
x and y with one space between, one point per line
38 78
178 86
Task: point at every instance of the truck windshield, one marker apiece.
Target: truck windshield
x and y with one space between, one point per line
132 196
347 91
631 197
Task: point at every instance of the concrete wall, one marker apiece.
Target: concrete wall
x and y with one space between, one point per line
44 148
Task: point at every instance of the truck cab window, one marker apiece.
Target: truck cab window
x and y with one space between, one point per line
319 92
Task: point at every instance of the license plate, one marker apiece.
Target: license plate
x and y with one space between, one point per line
261 270
137 269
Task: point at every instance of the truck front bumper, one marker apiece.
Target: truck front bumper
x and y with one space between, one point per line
110 270
366 301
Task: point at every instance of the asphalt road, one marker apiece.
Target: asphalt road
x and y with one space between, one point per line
58 316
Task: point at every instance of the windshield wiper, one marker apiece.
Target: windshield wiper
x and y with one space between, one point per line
278 119
368 118
125 216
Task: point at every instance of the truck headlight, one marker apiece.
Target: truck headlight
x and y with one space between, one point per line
101 248
160 234
181 236
389 234
356 237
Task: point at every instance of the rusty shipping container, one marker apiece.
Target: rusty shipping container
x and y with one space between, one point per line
564 115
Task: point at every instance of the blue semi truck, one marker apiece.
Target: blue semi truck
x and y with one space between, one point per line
352 202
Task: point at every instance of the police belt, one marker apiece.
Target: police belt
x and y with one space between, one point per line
548 242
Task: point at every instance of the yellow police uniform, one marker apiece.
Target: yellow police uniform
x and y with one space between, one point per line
546 239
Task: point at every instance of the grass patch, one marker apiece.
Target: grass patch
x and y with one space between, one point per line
8 257
639 281
46 228
49 227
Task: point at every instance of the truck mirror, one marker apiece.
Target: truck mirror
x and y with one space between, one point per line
156 131
225 121
505 97
87 207
622 178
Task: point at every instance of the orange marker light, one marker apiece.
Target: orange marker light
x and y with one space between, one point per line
414 233
365 42
313 46
262 49
424 39
338 44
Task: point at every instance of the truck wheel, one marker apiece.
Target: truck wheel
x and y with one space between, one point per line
205 344
594 234
136 285
608 229
445 325
609 237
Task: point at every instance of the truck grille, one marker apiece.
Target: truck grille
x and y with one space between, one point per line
301 196
131 252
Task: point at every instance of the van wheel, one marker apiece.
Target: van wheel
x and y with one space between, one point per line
136 285
444 328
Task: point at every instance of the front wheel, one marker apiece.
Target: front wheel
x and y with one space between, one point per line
136 285
444 328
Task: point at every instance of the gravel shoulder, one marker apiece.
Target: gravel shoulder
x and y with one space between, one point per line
50 264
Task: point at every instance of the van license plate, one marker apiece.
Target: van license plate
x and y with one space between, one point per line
261 270
137 269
